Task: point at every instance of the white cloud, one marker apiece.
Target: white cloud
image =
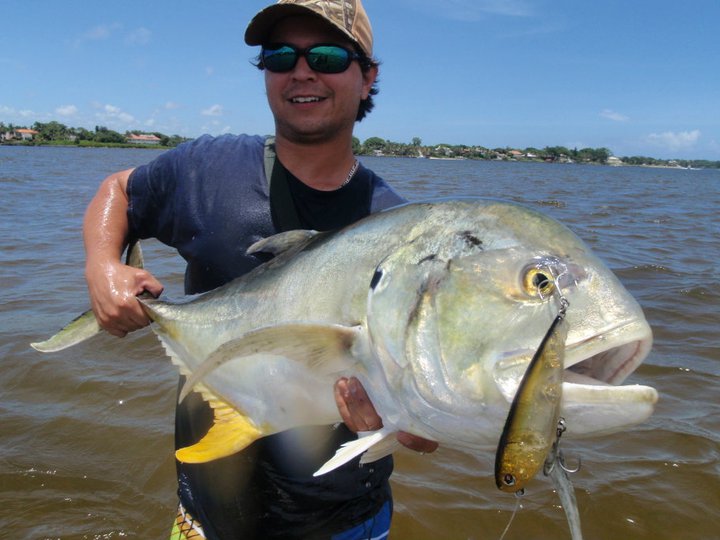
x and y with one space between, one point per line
171 105
102 31
612 115
114 116
139 36
214 110
66 110
98 33
675 141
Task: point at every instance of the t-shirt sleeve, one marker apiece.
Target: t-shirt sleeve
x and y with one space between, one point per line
151 197
384 196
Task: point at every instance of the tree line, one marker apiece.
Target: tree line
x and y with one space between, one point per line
57 133
556 154
378 146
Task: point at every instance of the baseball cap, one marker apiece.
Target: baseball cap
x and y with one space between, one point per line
348 16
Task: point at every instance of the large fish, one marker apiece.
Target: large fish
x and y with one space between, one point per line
438 308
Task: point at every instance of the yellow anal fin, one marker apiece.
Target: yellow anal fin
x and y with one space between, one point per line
231 432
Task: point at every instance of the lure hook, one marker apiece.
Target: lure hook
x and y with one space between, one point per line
556 456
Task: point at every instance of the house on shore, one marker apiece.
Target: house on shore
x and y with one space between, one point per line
142 139
19 134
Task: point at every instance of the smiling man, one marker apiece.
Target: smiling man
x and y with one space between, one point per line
211 199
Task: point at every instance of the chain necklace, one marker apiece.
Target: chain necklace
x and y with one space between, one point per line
350 174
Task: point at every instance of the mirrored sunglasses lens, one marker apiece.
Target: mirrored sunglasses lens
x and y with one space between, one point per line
328 59
279 60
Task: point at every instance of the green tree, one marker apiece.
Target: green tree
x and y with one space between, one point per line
82 134
51 131
555 152
105 135
374 143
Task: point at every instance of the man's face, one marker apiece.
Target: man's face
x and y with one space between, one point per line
308 106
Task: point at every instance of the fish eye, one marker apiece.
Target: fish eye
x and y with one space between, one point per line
538 282
509 480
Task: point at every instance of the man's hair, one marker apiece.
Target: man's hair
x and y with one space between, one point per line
367 104
366 64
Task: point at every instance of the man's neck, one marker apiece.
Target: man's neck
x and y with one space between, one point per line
323 166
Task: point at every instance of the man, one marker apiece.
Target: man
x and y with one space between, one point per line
212 198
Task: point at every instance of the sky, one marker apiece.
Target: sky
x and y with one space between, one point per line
639 77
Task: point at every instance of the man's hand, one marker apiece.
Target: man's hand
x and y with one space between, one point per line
359 414
113 288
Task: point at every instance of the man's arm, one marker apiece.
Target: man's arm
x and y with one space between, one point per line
112 285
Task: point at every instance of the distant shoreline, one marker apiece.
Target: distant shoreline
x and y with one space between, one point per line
611 162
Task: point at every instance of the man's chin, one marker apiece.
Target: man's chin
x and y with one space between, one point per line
310 134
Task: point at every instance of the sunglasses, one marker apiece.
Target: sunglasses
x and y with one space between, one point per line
321 57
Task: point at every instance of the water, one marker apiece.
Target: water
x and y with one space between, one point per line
86 434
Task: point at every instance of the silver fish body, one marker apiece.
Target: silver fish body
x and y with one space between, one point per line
433 306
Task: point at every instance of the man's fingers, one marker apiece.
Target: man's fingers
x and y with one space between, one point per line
413 442
341 394
147 282
355 407
359 414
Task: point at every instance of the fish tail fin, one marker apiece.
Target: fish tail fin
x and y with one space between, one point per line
78 330
85 326
231 432
352 449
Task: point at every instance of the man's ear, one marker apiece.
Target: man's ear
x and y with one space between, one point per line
369 77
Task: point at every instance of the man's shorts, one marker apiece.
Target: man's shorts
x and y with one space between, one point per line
375 528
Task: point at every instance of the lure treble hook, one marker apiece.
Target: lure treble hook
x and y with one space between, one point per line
556 456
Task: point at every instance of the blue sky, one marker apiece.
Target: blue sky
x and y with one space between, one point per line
639 77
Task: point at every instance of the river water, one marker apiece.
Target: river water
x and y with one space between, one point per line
86 434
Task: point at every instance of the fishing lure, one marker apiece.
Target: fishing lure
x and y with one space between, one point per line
531 424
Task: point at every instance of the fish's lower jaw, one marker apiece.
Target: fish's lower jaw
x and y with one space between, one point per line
591 409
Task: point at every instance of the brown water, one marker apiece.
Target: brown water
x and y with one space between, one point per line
86 434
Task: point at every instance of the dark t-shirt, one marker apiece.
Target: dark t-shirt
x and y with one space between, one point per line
209 199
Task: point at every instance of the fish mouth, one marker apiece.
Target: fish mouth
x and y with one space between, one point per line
594 400
608 357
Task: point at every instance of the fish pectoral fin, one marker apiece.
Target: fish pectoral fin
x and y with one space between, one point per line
352 449
231 432
381 449
323 348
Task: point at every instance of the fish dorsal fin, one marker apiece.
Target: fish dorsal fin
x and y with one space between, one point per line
352 449
323 348
283 242
231 432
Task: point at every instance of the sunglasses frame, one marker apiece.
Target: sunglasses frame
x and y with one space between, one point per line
305 52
